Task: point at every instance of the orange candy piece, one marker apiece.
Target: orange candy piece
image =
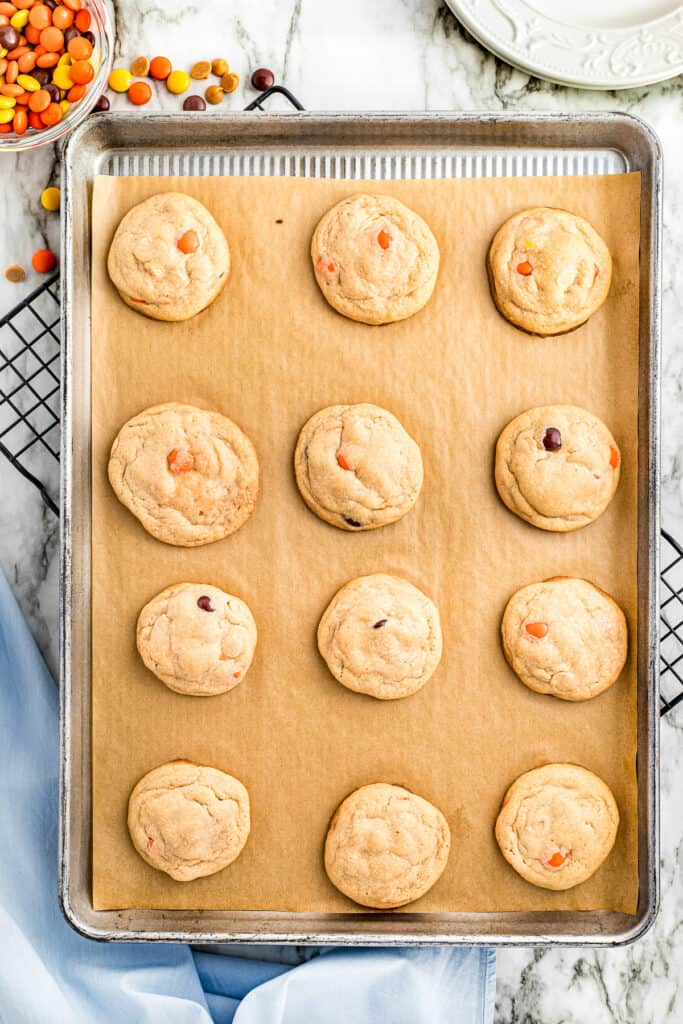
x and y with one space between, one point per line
160 68
79 48
40 16
36 122
76 93
43 261
557 859
39 101
52 39
342 461
537 629
62 18
27 62
20 121
52 115
83 20
139 93
189 242
47 60
525 268
384 239
81 72
180 461
613 457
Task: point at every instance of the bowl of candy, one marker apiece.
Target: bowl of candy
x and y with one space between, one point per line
55 58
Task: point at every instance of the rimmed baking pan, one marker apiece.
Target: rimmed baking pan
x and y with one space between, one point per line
351 147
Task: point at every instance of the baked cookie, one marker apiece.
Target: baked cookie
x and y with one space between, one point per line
557 824
565 637
386 846
380 635
190 476
197 639
557 466
549 270
188 820
169 259
375 260
356 467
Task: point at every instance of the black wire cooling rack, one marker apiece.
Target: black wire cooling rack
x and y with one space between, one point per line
29 434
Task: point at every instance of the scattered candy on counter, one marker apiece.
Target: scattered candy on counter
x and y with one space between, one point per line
194 103
230 81
15 273
140 93
214 94
43 261
140 67
178 82
262 79
50 198
120 80
200 70
160 68
45 62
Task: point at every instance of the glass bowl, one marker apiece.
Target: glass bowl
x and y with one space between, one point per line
101 58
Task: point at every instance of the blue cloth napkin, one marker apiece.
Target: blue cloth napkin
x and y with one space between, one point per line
51 975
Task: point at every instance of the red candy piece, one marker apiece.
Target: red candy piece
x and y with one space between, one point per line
342 461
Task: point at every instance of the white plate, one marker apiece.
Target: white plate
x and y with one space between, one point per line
595 44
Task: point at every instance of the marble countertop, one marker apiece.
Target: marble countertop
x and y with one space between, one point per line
393 55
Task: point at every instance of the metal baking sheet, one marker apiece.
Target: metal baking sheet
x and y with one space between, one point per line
378 146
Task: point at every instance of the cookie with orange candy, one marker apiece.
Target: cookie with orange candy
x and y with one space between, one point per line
557 825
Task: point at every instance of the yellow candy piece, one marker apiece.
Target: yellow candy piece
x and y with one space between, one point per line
64 104
64 59
7 102
6 116
19 20
528 244
120 80
61 77
50 198
28 82
3 51
178 81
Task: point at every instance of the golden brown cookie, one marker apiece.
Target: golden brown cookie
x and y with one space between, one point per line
565 637
188 820
380 635
386 846
168 259
356 466
374 259
190 476
557 466
557 825
549 270
197 639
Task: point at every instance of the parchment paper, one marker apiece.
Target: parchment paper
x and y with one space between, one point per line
269 353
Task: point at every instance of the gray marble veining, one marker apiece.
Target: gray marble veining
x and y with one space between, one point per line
394 55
